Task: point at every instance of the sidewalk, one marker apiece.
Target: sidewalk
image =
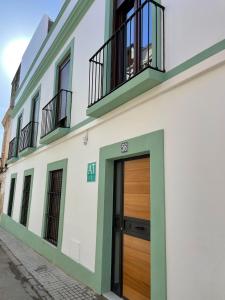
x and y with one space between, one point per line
48 281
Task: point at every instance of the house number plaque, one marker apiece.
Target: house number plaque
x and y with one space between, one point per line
124 147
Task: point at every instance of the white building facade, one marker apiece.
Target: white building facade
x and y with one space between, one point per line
116 168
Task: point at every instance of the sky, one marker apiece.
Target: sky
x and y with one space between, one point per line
18 22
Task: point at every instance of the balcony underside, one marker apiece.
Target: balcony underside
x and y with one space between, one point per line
12 160
26 151
139 84
54 135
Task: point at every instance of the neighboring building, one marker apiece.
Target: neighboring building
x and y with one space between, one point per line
6 123
116 162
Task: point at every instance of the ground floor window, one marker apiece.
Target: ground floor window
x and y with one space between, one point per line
53 206
25 200
11 195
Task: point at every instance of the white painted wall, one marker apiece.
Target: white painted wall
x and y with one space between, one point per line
191 27
34 46
192 117
200 27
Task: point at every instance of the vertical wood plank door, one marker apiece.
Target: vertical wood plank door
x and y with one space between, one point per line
136 251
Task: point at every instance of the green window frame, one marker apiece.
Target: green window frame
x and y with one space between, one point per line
29 172
62 131
11 194
54 166
68 52
18 131
36 95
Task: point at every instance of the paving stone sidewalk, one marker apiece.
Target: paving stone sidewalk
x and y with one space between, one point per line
48 281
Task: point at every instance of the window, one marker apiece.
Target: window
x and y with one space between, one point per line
25 200
53 206
35 119
133 43
63 87
19 128
11 196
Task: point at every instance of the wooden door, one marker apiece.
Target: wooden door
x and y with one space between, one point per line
131 230
136 249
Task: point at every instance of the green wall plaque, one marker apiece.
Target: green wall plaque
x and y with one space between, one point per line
91 172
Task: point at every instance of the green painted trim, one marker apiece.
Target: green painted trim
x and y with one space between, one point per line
108 19
61 260
29 172
69 51
61 164
196 59
18 132
33 97
152 144
12 160
26 151
14 175
54 135
82 123
70 24
132 88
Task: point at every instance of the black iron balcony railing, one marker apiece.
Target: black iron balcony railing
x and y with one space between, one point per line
55 114
138 44
28 136
13 148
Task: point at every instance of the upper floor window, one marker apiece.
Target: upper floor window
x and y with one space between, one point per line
137 43
56 114
133 42
63 85
64 74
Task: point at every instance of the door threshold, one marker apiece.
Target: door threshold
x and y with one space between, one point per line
112 296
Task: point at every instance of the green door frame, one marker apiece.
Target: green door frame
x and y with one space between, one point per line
152 144
29 172
57 165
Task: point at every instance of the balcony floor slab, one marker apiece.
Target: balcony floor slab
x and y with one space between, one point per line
26 151
54 135
12 160
139 84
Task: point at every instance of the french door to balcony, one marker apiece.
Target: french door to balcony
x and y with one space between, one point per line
133 40
35 119
63 87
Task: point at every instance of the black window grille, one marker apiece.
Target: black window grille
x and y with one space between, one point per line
55 114
12 148
11 196
53 206
25 200
28 136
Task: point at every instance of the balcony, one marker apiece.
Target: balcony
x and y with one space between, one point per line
56 117
13 150
130 62
28 139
